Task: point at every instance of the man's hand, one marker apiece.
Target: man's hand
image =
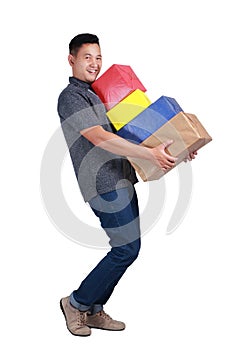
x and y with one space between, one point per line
191 156
161 158
117 145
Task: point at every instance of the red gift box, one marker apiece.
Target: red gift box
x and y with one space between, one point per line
115 84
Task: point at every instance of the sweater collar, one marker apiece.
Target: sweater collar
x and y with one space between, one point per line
79 83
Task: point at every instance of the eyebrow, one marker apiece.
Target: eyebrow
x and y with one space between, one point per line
89 54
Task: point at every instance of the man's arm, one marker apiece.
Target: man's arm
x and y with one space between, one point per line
117 145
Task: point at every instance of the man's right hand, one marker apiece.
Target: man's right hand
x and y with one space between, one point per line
161 158
117 145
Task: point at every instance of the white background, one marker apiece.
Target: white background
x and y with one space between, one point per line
178 294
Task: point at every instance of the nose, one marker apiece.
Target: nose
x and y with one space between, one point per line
94 63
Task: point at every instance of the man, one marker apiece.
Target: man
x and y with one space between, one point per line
106 180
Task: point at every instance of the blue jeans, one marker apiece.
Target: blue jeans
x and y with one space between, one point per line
119 217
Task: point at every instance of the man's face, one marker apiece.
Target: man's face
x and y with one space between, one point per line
87 63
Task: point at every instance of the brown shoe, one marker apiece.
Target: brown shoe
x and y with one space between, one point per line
75 319
101 320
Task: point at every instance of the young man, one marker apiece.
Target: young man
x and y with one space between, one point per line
106 180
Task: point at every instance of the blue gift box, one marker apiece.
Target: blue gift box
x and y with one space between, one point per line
150 120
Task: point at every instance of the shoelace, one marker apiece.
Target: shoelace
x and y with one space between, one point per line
103 314
81 318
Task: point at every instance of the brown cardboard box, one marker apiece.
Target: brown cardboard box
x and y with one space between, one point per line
188 135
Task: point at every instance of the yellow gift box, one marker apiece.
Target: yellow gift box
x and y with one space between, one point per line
128 108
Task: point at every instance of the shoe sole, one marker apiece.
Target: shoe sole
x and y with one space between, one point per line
77 335
107 329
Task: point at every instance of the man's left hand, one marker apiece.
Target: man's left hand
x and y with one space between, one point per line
191 156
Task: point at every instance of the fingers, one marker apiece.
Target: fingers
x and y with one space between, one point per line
170 159
167 167
163 147
191 156
167 143
169 162
165 160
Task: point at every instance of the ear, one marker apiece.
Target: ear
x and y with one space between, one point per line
71 60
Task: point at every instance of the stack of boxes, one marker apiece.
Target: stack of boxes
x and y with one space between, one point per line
138 120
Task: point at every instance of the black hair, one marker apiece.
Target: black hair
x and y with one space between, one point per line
81 39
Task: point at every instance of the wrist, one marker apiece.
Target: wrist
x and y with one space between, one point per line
147 153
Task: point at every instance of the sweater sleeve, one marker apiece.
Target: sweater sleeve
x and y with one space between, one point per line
75 110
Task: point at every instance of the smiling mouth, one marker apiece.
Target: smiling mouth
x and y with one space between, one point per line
93 71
